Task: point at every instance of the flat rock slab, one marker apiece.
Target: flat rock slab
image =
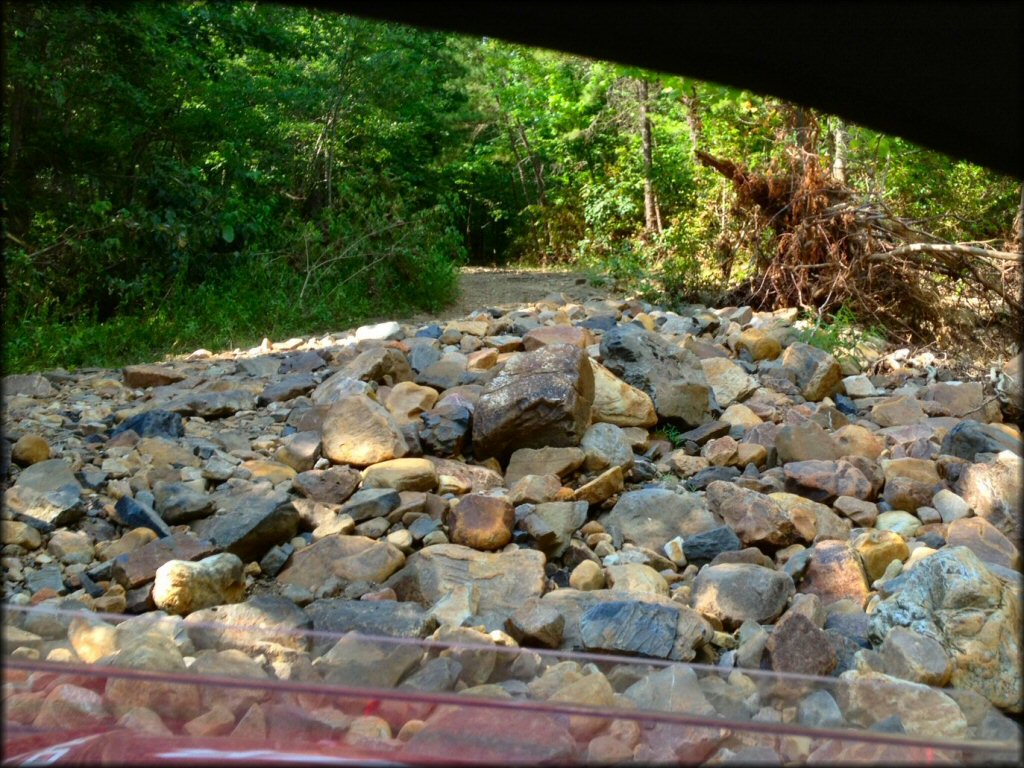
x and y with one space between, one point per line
347 558
629 626
503 581
652 516
481 735
143 376
371 617
249 521
251 626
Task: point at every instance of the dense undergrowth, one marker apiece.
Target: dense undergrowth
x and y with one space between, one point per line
198 174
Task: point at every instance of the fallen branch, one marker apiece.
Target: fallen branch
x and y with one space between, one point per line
938 248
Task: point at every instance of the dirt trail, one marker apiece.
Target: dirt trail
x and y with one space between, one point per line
481 287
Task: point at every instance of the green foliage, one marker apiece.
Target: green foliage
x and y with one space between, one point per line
840 336
673 435
171 166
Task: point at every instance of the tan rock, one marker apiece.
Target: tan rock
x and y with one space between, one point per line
144 720
750 453
71 546
897 411
360 431
503 581
635 577
912 656
274 471
804 442
817 373
835 572
863 513
961 399
181 587
687 466
253 724
728 381
721 452
758 344
602 487
402 475
92 638
482 360
755 518
587 576
469 327
591 690
348 558
143 376
740 415
877 549
814 521
408 400
157 451
542 461
70 707
478 478
534 489
217 721
129 542
995 492
859 441
557 334
616 402
30 449
20 534
867 697
985 540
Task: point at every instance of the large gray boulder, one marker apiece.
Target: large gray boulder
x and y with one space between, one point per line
672 376
952 597
540 398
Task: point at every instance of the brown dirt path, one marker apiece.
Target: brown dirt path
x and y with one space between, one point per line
506 288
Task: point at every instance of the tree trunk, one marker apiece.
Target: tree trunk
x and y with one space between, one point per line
1018 224
652 221
842 147
515 151
538 166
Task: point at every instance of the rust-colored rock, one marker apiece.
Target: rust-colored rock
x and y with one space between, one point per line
135 568
835 572
754 517
481 522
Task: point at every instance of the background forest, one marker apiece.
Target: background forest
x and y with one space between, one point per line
192 174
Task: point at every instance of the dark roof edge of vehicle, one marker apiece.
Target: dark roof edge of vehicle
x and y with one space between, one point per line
945 75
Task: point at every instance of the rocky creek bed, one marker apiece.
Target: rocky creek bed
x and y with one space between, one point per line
502 484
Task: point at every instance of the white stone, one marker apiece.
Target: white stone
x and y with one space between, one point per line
950 506
181 586
859 386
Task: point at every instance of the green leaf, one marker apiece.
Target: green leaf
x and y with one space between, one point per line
228 233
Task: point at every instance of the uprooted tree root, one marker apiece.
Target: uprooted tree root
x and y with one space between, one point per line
831 250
